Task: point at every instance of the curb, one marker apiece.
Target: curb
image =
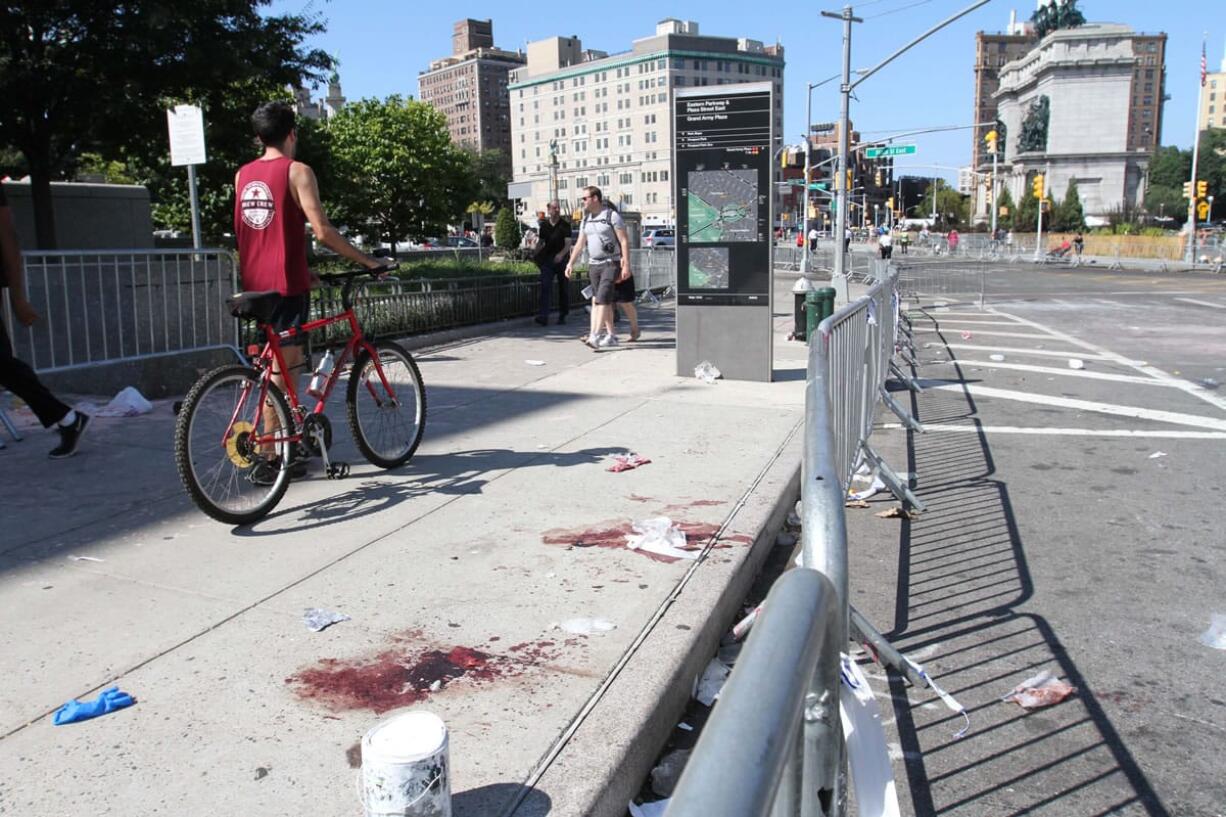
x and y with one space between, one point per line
602 766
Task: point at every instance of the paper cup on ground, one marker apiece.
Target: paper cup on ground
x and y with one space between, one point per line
405 769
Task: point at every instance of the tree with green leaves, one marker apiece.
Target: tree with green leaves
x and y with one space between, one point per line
1069 215
507 233
1005 200
491 169
952 208
1027 212
396 170
98 75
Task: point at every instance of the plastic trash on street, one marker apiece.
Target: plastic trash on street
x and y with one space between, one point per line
587 626
318 619
707 372
1041 689
660 536
1215 636
712 682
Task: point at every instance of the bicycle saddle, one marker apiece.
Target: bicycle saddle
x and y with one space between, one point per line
254 306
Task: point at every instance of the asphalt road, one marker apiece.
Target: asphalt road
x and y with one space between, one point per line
1073 526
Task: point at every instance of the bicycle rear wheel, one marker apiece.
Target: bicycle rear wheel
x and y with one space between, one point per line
387 426
222 467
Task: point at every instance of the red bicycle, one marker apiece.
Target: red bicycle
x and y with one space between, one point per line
238 436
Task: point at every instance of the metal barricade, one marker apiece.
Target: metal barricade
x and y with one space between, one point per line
654 269
107 305
759 729
951 279
777 722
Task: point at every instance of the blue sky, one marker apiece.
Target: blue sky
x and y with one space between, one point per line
383 44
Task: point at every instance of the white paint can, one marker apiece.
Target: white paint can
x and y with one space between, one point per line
405 770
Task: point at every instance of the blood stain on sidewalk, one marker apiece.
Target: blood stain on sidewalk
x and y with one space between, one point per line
613 534
395 678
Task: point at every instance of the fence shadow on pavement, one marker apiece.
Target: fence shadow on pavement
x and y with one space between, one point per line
962 575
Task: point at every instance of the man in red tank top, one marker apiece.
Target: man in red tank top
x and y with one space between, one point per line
275 197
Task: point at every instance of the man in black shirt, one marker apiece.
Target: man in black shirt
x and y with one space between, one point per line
16 375
552 248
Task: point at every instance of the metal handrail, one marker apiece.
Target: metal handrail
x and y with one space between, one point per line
750 760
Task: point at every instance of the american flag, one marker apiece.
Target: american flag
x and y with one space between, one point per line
1204 64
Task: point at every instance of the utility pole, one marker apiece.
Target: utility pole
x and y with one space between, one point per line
804 224
1200 92
839 280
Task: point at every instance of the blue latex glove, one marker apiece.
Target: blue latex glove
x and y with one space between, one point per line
108 700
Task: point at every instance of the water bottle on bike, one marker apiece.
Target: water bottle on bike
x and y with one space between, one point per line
320 380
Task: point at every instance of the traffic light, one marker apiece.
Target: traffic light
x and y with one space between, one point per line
877 178
1187 190
990 137
889 203
850 182
987 195
1037 186
1202 189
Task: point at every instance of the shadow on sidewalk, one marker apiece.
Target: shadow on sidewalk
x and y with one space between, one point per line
962 573
458 473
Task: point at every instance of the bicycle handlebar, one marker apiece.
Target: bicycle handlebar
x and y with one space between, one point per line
350 275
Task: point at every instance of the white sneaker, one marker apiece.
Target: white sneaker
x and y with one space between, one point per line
606 341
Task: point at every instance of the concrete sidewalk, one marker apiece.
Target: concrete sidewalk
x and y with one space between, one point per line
457 569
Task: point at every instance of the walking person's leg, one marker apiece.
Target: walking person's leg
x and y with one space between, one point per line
17 376
547 272
559 270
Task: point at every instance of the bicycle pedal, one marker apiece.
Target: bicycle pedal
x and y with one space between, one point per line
338 470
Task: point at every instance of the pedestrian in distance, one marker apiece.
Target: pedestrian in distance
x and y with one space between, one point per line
16 375
553 239
813 239
603 234
1079 244
885 245
274 196
952 239
847 239
800 239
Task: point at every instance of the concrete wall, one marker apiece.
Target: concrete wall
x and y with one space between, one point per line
87 216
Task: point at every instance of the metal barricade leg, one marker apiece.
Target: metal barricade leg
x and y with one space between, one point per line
907 420
911 382
8 424
891 479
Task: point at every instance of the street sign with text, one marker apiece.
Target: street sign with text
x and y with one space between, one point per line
186 125
892 150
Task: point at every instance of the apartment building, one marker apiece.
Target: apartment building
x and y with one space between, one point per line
470 87
583 117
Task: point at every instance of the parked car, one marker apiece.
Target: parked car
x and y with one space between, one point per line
460 241
657 237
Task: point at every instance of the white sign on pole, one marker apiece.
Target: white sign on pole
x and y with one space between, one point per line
186 124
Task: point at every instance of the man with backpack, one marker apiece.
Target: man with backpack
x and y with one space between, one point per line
603 235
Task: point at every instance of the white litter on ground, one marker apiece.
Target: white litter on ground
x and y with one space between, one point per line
587 626
711 683
1215 636
660 536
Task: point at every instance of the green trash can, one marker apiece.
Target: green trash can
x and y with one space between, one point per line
819 305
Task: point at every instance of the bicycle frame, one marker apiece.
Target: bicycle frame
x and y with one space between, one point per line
271 359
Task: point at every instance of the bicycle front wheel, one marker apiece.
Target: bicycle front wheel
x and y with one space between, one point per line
387 405
227 472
